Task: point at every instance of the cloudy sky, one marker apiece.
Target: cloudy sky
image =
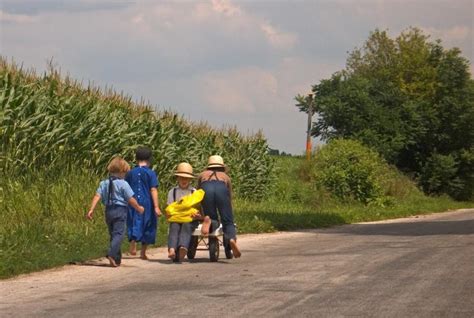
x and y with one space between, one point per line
225 62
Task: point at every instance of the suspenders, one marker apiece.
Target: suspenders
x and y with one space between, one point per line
111 190
175 189
214 173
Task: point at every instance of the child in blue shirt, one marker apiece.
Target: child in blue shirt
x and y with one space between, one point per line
116 194
144 182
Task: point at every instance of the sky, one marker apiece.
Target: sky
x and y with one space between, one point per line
229 63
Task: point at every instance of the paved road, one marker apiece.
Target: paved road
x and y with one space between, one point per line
417 267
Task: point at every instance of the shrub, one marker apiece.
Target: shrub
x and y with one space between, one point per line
441 174
351 171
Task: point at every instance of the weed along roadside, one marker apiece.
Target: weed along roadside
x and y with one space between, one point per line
43 240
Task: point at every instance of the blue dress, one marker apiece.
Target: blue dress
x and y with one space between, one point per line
142 227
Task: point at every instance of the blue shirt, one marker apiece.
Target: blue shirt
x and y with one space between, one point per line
121 194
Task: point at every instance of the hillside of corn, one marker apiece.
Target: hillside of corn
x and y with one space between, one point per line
53 124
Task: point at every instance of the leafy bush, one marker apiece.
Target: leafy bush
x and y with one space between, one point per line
350 170
440 175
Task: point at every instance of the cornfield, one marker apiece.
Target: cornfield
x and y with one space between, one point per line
52 123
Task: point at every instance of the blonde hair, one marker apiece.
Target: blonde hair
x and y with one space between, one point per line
118 165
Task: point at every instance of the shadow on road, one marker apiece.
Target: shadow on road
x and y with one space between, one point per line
418 228
91 263
192 261
295 221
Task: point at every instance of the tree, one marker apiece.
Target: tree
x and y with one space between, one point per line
410 99
305 103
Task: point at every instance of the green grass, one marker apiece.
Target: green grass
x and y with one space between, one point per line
43 223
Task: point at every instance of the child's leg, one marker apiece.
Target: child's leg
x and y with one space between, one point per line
130 230
171 253
143 252
116 218
206 224
184 239
182 253
109 222
227 218
173 237
185 235
133 248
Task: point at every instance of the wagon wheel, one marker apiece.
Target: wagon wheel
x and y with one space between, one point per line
193 247
213 249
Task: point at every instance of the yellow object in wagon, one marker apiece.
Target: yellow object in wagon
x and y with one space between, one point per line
182 211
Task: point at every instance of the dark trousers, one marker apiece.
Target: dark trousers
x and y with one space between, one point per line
179 235
116 217
216 204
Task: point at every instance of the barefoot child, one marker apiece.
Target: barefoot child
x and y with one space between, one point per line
218 199
144 182
179 234
116 195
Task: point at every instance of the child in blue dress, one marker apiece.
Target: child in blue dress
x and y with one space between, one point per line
116 195
144 182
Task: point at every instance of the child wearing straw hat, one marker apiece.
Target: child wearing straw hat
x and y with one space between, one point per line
217 202
179 234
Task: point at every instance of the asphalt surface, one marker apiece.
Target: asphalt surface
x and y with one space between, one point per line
417 267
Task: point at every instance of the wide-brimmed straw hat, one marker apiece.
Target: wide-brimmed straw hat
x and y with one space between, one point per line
215 162
184 170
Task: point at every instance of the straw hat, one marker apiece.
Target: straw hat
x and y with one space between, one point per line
184 170
215 162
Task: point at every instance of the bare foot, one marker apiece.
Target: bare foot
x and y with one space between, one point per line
235 248
182 253
171 253
133 248
206 225
112 261
143 252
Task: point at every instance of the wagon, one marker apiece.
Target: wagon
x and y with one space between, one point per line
212 242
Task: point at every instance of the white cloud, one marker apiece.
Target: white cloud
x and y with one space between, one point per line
16 18
138 19
238 91
175 22
254 90
278 39
450 35
226 7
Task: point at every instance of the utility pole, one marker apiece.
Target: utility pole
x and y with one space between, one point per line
310 118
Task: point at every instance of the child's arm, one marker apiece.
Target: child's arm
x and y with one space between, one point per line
95 200
198 216
134 204
156 205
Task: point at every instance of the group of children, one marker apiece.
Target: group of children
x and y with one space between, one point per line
131 202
